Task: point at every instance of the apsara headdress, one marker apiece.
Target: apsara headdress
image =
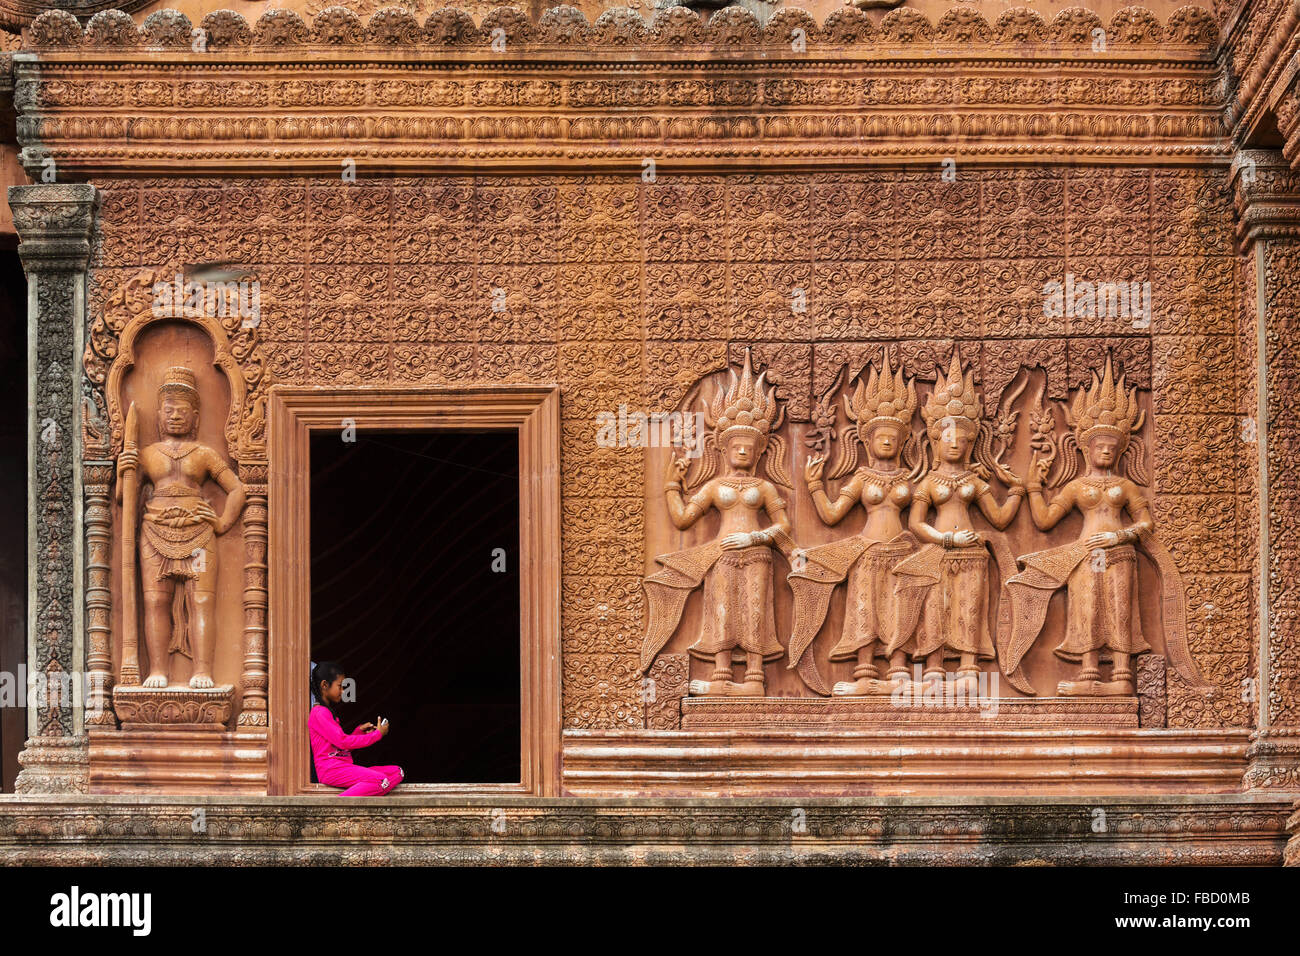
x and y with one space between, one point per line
883 400
747 405
954 397
1105 408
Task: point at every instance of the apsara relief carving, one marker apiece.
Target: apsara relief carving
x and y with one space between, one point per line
932 579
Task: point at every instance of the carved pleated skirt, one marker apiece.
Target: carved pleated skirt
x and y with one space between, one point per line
738 610
955 615
1101 606
870 603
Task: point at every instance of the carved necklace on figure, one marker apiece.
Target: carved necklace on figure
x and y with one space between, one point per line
1110 485
963 485
952 482
178 453
881 484
740 486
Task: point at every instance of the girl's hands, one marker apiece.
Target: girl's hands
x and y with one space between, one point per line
383 727
365 728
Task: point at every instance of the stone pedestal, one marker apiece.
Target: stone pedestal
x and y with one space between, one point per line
174 708
178 760
1273 760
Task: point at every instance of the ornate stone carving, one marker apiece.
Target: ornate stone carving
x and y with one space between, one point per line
178 564
166 29
665 687
1151 693
880 414
736 567
173 708
53 222
1099 571
1273 760
130 309
112 28
943 587
827 110
881 713
622 277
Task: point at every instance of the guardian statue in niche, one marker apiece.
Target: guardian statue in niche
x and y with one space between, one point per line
1099 570
736 567
177 531
880 415
943 588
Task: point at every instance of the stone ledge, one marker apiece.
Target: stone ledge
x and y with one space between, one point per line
1184 829
905 762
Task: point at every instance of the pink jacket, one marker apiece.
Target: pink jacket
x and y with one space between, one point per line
328 741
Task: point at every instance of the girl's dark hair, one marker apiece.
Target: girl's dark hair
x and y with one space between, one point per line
326 672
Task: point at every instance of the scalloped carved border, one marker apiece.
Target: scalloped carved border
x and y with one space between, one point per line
620 27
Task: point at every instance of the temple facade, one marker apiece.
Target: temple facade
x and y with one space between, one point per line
906 400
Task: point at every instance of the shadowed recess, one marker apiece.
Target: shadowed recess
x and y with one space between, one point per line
404 528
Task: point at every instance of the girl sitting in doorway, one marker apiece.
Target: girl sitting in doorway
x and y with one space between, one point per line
332 749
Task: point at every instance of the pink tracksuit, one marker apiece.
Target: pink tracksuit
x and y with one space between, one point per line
331 748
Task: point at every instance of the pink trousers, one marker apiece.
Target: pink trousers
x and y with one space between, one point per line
360 781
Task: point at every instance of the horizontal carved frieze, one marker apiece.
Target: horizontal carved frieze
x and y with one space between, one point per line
1152 830
91 118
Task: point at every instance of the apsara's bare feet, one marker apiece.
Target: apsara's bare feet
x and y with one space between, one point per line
708 688
749 688
865 687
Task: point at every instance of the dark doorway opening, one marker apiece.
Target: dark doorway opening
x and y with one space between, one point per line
410 593
13 514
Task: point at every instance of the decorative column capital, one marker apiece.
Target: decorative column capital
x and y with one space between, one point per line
53 221
1266 196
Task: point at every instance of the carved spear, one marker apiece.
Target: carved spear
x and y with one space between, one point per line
130 505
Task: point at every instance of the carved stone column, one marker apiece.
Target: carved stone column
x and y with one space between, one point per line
1267 195
254 679
53 222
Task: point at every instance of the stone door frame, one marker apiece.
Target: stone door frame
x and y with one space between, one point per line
297 411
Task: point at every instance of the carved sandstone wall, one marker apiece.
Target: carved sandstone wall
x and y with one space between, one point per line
628 292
